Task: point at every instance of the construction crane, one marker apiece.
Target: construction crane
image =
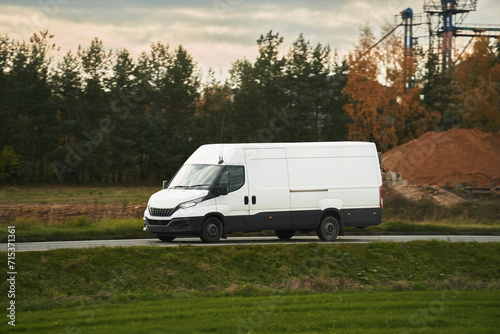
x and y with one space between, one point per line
444 19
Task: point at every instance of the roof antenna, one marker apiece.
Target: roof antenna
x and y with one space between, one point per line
221 155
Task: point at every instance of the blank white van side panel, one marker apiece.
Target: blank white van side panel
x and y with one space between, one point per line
361 182
329 175
302 184
313 180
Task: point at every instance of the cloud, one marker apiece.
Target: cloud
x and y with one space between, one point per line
215 32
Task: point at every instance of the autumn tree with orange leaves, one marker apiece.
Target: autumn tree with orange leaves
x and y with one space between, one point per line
477 80
382 106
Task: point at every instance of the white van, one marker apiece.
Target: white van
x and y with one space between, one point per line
285 187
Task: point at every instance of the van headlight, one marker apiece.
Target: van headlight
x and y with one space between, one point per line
191 203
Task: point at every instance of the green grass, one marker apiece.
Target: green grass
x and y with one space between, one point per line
61 278
431 286
82 228
445 311
75 228
437 227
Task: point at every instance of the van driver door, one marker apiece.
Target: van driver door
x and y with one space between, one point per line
235 205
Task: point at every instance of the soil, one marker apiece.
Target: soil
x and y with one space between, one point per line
60 212
415 193
455 157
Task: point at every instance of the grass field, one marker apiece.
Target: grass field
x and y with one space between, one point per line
416 287
444 311
76 228
61 278
436 287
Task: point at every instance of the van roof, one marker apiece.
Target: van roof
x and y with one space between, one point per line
235 153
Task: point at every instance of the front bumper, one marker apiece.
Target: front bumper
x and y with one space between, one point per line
174 227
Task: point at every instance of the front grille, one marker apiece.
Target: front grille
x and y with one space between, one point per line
158 222
161 212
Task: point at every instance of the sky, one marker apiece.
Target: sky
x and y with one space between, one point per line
215 32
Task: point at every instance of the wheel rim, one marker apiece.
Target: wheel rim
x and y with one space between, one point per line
330 229
212 230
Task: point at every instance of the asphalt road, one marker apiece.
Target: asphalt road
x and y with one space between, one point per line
43 246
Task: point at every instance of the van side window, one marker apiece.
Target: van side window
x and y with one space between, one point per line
234 176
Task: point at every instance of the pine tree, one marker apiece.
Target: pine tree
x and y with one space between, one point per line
29 118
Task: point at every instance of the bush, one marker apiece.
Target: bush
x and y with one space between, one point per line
78 222
9 163
397 207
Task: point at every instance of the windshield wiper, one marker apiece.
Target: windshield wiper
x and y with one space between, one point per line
191 187
198 185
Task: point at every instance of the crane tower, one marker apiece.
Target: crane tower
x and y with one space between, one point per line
444 16
445 21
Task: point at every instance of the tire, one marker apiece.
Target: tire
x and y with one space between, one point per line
328 229
284 234
211 231
166 238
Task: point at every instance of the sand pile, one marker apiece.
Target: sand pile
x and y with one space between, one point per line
448 158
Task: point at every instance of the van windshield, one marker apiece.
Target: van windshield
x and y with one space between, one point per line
195 177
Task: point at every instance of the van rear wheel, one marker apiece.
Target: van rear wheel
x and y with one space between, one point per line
328 229
211 231
284 234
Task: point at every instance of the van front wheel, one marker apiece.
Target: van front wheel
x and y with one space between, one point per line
284 234
328 229
211 231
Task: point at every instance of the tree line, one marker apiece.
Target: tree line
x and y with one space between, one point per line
102 116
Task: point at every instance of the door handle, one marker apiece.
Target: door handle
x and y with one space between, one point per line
246 200
254 200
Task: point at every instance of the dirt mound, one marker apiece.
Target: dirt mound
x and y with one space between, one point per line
415 193
448 158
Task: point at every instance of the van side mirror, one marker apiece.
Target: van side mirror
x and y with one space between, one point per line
165 184
223 189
